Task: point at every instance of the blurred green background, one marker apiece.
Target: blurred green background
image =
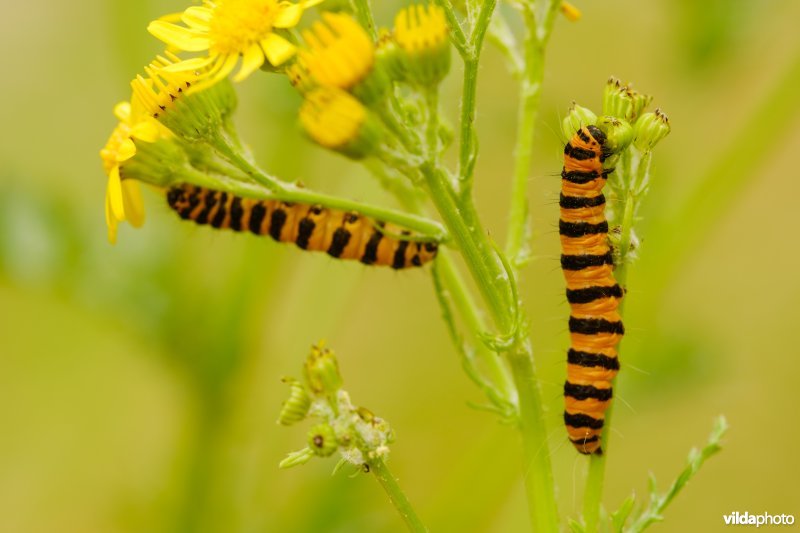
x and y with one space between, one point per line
139 384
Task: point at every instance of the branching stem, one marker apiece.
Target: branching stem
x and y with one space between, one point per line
398 498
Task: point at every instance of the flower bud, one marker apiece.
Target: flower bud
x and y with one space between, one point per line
296 407
322 371
336 120
322 440
622 101
650 129
341 54
618 133
576 118
421 34
297 458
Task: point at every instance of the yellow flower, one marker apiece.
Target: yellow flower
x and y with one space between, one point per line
229 29
123 197
571 12
419 30
161 88
336 120
340 53
421 34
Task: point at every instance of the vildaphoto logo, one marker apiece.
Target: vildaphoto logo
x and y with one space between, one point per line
764 519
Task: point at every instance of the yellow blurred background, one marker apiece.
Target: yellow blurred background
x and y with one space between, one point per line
140 383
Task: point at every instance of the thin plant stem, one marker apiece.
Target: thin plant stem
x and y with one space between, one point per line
535 44
493 283
468 309
537 469
396 496
457 36
291 193
468 235
468 135
364 15
593 493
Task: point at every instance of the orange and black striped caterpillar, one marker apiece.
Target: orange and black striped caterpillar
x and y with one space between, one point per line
592 292
342 234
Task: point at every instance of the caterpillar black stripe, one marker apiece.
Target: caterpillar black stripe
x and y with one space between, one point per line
592 292
341 234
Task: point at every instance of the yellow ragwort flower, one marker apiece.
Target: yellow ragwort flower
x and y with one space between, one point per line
421 34
419 29
161 88
229 29
332 117
340 53
123 197
336 120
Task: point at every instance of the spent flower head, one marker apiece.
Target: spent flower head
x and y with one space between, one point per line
229 29
355 432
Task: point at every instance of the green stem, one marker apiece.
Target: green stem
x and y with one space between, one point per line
468 235
468 309
288 192
364 15
468 136
396 495
468 140
535 44
457 36
593 493
537 470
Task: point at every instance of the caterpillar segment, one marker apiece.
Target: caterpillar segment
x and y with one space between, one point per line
341 234
592 292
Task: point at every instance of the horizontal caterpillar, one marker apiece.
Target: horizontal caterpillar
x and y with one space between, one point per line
341 234
593 294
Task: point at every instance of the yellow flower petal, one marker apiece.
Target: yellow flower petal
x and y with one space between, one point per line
251 61
126 150
195 63
114 194
178 36
111 223
146 131
277 49
288 16
132 200
197 18
122 111
223 68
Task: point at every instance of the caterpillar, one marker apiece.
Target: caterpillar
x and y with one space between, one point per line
593 294
342 234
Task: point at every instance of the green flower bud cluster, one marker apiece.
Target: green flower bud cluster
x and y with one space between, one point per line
622 101
355 432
